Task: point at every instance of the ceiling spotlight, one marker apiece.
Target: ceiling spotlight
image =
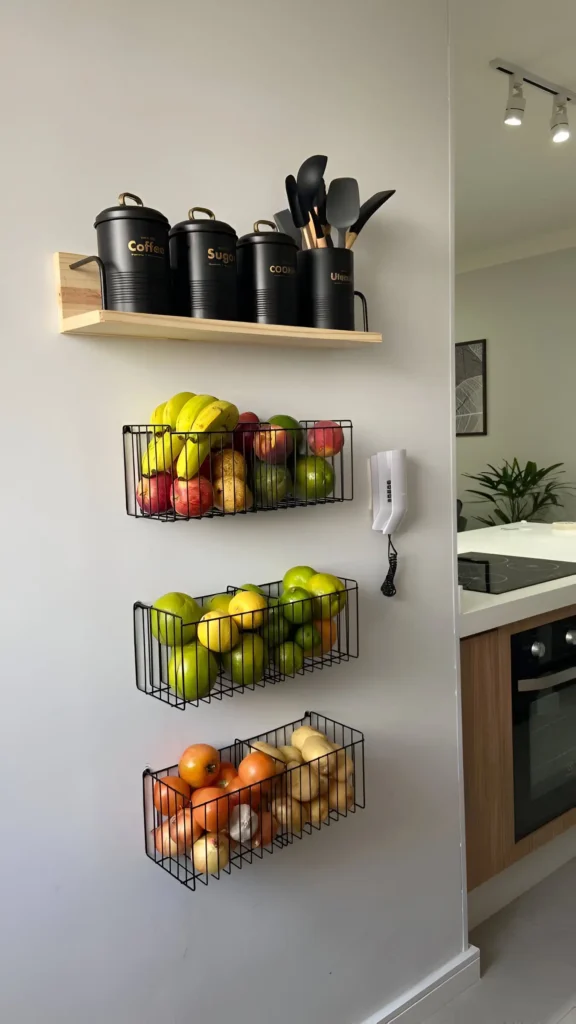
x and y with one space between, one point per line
516 102
559 127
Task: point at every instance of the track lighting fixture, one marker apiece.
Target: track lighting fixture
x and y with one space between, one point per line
518 77
559 127
516 102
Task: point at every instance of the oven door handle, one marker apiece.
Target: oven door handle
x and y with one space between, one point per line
547 682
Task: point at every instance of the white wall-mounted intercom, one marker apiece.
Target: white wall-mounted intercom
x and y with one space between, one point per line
388 484
388 502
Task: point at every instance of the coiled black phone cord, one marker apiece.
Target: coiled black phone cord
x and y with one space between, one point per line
388 588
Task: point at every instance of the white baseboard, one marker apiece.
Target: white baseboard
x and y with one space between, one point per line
433 992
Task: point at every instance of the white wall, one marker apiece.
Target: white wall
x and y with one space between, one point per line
214 104
525 310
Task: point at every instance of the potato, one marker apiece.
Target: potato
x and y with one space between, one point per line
345 764
288 812
321 750
341 796
303 783
291 754
323 780
319 810
299 736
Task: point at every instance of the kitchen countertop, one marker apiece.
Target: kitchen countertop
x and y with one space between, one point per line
480 612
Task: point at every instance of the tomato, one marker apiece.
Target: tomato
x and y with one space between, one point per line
210 808
256 767
199 765
239 793
184 831
171 794
267 829
227 774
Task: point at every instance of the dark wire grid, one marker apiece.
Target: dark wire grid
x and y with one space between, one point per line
153 659
179 861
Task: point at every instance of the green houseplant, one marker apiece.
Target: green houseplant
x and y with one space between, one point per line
518 493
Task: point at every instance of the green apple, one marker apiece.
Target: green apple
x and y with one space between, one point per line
289 423
298 576
192 671
253 588
276 630
329 595
245 662
296 605
289 658
308 638
313 479
271 483
219 603
172 631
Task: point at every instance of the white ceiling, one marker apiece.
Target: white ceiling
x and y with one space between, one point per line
512 184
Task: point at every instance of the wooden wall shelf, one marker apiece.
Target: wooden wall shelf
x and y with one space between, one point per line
80 302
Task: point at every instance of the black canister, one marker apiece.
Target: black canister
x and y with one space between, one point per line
267 276
203 265
326 288
133 247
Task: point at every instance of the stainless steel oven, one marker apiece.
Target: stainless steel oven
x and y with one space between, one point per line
544 723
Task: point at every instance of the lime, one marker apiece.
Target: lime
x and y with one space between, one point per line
313 479
173 618
296 605
245 662
192 671
309 639
289 658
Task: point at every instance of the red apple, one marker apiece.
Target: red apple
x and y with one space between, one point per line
273 444
192 497
326 438
244 432
154 493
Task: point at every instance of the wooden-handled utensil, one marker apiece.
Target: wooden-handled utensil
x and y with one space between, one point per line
298 216
310 174
343 205
366 210
285 223
320 207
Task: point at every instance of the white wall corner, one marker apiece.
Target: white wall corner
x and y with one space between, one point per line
433 992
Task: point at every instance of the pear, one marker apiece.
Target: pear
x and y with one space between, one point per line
231 494
299 736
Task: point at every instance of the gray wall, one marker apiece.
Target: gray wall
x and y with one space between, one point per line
214 104
526 311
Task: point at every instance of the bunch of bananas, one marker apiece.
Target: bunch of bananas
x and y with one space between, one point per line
186 428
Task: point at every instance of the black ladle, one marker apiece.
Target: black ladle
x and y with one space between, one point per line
366 210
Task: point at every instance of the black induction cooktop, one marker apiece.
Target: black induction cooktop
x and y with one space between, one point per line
498 574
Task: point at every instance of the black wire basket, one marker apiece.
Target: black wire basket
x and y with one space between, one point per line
204 841
170 476
187 663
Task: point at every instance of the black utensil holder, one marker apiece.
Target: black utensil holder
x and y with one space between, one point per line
326 289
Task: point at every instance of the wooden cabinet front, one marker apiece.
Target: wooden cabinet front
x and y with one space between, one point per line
488 754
